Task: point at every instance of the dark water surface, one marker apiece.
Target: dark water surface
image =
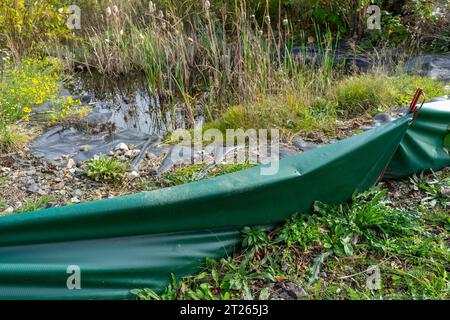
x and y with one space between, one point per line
129 102
124 107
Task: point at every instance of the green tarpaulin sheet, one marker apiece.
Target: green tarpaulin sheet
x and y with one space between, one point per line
136 241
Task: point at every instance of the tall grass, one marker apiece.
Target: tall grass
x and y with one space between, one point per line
196 56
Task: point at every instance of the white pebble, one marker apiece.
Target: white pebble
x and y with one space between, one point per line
70 164
122 147
75 200
8 210
133 175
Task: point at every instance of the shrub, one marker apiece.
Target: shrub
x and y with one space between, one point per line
106 169
26 85
24 24
430 23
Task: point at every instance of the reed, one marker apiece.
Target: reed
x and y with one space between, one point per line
195 56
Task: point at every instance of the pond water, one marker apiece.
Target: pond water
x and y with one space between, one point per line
128 102
125 110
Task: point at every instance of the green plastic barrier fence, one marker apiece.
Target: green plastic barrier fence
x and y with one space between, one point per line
423 147
102 249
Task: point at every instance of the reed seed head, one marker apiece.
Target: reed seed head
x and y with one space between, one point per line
151 7
206 5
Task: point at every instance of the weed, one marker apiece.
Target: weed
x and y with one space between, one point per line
67 109
433 187
106 169
255 238
168 294
29 84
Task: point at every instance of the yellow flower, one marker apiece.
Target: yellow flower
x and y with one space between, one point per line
27 109
26 118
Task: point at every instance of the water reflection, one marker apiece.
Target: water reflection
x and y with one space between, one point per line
128 103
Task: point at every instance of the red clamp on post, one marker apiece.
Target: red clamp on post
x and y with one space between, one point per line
413 106
412 109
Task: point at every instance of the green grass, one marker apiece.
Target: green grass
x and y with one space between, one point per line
431 188
332 252
407 86
288 112
13 138
3 205
369 93
193 173
308 107
364 94
35 203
